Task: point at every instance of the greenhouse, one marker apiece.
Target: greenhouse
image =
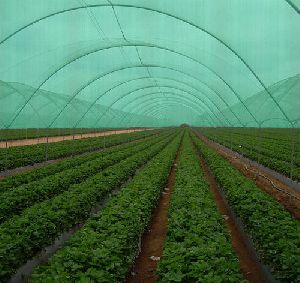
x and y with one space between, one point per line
150 141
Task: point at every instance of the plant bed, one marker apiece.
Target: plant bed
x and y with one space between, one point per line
274 231
197 247
104 249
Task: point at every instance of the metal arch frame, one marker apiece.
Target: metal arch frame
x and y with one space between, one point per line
98 119
156 108
188 57
50 99
162 67
294 6
40 94
154 87
147 66
14 90
152 93
156 112
152 101
211 70
132 115
222 42
177 103
18 92
102 75
147 118
135 66
270 119
167 96
129 93
168 102
180 101
127 113
180 82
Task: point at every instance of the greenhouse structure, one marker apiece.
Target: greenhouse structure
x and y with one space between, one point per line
149 141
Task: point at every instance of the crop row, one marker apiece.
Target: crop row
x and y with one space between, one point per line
104 249
266 153
275 232
279 137
257 144
197 244
27 155
21 237
51 169
15 200
257 140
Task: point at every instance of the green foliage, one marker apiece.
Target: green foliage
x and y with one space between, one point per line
17 199
270 147
21 237
27 155
104 249
51 169
276 233
197 248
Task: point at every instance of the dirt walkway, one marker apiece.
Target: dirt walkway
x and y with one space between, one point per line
12 143
288 197
250 265
152 243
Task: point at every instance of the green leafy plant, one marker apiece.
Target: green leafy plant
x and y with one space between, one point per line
104 249
197 247
27 155
21 237
275 232
17 199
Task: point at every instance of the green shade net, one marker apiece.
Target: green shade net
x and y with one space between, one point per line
153 63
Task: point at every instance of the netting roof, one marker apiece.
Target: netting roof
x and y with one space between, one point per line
98 63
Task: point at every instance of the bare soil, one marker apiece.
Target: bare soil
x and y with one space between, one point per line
286 196
152 242
23 142
249 265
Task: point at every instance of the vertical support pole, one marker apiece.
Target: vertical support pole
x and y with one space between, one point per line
256 141
6 138
47 139
252 143
90 137
6 146
230 137
104 140
73 139
259 144
292 151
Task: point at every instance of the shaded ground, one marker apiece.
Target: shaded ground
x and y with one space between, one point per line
249 263
152 242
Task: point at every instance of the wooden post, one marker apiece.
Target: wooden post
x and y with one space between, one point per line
47 139
292 151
